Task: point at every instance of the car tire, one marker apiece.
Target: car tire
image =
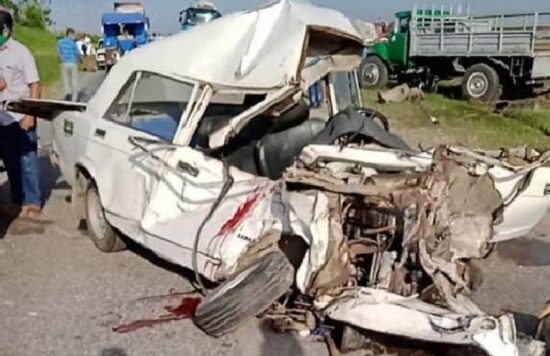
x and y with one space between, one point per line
482 83
245 295
104 236
373 73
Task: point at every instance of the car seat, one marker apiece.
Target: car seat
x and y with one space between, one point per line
276 152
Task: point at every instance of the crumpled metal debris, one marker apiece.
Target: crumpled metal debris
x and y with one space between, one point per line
459 226
396 234
384 312
401 94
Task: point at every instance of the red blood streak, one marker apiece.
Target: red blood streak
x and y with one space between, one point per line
185 310
239 215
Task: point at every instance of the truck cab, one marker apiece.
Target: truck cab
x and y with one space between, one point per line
394 48
197 15
391 53
123 32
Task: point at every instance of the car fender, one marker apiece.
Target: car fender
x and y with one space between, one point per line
527 208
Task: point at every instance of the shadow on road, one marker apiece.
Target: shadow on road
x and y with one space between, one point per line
49 176
164 264
279 344
10 222
525 252
113 351
5 220
5 223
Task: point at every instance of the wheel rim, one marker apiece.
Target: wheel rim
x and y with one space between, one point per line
478 85
371 74
96 217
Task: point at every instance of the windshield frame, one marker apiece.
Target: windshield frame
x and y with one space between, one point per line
342 85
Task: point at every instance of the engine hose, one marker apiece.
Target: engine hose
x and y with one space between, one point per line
227 184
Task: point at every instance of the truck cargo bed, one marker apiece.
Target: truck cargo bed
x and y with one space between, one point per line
521 35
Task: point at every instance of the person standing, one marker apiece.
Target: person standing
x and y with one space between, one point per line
70 57
18 138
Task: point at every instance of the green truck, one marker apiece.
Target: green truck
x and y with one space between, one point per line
493 54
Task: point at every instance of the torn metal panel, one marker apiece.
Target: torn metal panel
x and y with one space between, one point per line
337 269
380 311
220 137
379 159
309 216
375 186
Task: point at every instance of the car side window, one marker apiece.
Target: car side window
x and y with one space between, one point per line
151 103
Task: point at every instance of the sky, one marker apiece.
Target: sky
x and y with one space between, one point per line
85 15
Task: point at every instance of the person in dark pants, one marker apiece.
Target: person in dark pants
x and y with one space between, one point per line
18 138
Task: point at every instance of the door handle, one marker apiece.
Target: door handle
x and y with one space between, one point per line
68 127
187 168
100 133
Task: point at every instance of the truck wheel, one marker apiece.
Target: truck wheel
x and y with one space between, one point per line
245 295
481 82
373 73
101 232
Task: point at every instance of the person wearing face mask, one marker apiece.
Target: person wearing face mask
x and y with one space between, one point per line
18 138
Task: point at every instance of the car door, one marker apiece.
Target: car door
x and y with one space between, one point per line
180 220
149 107
69 133
202 205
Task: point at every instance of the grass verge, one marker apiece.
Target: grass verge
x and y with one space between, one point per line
461 122
43 45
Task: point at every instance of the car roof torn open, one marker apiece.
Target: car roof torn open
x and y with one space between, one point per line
283 44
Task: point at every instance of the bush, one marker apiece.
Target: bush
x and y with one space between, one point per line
30 13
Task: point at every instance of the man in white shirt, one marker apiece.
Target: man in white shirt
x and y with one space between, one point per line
18 138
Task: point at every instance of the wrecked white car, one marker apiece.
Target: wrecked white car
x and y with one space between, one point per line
211 149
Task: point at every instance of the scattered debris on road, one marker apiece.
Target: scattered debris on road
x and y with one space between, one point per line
400 94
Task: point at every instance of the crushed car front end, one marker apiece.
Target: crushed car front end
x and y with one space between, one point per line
391 234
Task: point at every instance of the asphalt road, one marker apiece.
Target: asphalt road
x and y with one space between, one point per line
61 296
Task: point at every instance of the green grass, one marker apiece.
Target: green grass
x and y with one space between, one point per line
43 45
461 122
539 119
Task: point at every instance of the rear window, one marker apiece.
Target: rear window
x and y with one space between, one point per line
151 103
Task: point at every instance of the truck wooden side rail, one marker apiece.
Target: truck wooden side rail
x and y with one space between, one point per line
499 35
492 53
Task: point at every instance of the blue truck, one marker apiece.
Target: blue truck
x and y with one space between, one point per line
123 30
198 14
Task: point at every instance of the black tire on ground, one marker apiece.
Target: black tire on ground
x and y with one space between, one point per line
373 73
101 232
481 82
245 295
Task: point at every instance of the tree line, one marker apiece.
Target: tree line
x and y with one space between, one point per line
31 13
